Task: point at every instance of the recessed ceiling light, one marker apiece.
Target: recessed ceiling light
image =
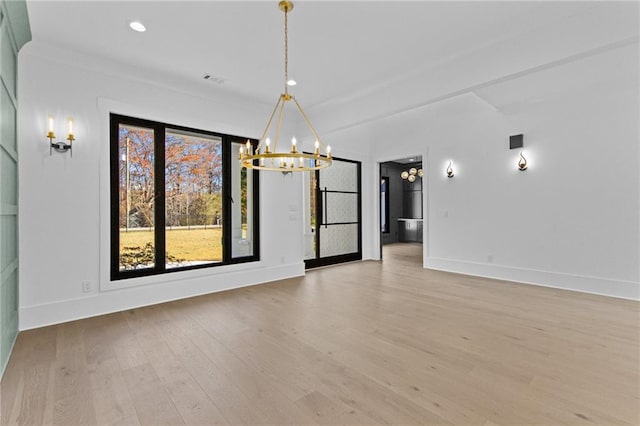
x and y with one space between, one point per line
291 83
137 26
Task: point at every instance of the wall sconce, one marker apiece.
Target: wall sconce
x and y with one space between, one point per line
449 170
522 163
516 142
411 174
60 146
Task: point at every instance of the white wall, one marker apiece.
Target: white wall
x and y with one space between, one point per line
64 206
570 221
571 86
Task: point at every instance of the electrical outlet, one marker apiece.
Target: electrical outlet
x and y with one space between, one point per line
86 286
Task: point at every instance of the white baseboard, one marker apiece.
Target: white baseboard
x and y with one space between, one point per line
106 302
585 284
101 303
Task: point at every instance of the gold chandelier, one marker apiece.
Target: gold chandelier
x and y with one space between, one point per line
267 157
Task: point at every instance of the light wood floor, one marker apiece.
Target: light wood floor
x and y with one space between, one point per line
363 343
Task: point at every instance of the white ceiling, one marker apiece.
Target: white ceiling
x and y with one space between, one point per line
337 49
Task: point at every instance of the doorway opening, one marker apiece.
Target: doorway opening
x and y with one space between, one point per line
401 207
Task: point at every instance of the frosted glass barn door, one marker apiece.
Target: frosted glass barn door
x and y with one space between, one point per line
336 212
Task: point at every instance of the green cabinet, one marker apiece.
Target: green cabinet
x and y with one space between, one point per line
14 33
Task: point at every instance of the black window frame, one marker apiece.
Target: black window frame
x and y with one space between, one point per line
160 129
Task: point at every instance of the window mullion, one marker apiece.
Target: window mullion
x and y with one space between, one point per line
159 202
227 199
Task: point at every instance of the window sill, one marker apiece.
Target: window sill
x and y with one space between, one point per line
109 285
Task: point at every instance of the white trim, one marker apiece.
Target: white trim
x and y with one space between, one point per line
585 284
116 301
213 272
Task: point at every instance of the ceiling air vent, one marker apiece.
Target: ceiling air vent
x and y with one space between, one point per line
213 78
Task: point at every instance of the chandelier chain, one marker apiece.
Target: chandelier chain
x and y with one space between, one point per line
269 157
286 51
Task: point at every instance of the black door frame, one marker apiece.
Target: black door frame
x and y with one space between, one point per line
348 257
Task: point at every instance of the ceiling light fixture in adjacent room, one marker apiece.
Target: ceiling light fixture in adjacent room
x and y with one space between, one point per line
411 174
266 156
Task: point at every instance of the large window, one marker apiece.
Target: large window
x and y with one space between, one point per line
179 199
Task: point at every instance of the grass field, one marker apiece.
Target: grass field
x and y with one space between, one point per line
184 244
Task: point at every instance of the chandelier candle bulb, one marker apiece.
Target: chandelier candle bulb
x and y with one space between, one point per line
70 128
248 147
294 148
316 146
50 133
267 143
328 151
241 152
